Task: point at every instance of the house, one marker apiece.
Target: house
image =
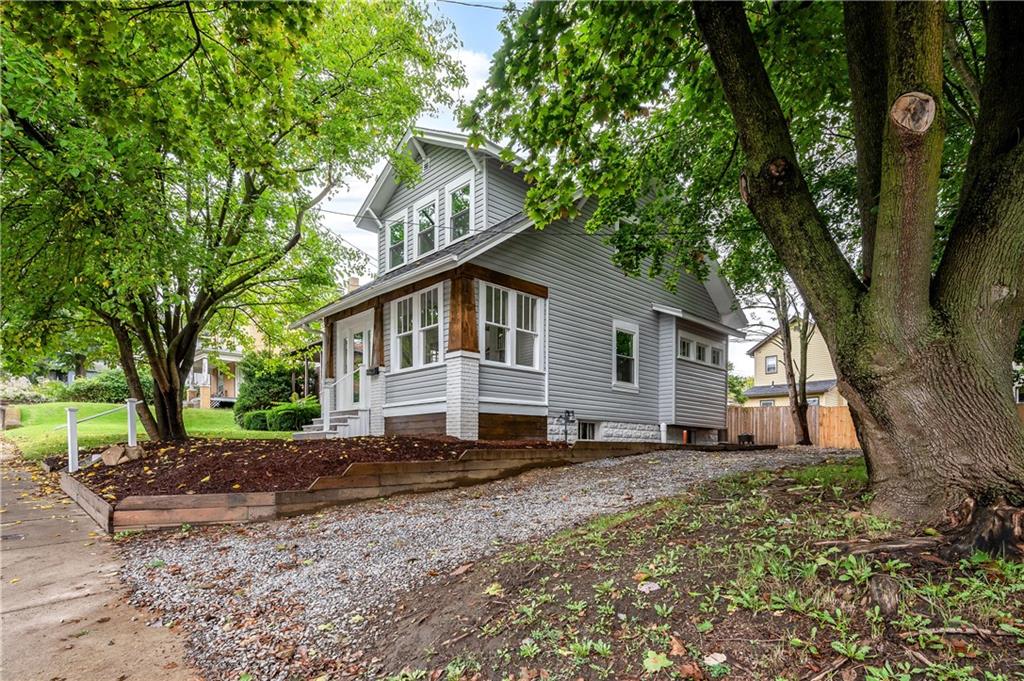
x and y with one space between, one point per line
770 385
214 379
480 326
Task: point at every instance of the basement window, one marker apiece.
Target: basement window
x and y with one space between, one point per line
586 430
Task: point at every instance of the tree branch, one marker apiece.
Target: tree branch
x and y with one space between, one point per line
778 194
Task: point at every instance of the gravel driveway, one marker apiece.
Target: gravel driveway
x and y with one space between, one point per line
285 599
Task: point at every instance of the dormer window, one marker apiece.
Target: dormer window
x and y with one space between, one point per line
426 225
396 242
459 205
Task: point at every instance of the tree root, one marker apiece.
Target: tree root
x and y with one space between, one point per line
997 529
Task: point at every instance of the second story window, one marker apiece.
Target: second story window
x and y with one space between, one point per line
459 204
771 364
426 226
396 241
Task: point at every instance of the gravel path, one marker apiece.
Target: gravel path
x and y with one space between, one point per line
286 599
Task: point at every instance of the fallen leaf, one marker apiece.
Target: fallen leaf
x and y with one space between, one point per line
690 670
461 570
715 659
678 648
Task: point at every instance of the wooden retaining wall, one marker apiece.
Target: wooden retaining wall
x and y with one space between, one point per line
359 482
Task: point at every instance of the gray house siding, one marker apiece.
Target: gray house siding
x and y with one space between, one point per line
586 294
506 192
504 383
667 358
701 390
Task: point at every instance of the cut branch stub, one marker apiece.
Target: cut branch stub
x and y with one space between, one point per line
913 111
744 189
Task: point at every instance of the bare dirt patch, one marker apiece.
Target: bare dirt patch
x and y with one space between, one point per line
204 466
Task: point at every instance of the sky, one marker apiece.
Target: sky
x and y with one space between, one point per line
477 28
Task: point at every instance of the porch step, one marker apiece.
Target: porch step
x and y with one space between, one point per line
342 424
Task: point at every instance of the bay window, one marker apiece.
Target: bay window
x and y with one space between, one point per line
416 330
694 348
511 327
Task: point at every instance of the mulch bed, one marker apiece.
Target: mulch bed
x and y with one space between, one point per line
204 466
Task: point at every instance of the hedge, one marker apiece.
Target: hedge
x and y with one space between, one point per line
292 416
255 420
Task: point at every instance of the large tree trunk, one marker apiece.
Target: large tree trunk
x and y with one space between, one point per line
942 439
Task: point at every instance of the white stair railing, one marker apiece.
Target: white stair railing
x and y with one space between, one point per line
72 421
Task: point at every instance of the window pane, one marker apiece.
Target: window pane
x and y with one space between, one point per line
428 308
403 316
623 343
496 305
684 348
460 217
396 255
526 312
405 351
396 233
426 219
702 353
716 356
431 346
494 342
624 369
526 349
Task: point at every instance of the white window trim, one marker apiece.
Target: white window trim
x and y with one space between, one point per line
513 321
425 201
629 327
465 178
771 373
771 403
708 343
387 240
417 336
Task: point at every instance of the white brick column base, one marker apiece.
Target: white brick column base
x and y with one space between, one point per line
377 404
462 416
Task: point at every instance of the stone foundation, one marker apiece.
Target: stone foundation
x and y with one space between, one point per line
610 431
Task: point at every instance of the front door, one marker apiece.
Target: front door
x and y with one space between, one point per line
352 351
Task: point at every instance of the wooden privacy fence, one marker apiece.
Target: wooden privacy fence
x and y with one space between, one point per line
829 426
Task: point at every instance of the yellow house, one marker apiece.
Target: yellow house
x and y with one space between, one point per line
770 388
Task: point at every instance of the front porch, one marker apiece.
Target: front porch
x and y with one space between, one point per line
460 353
214 380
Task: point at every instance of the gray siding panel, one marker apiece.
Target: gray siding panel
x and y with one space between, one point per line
701 391
421 384
587 292
666 361
510 384
506 192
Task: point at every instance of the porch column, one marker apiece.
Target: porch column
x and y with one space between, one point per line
462 418
324 363
377 378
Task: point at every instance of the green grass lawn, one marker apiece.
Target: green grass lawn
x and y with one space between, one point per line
36 438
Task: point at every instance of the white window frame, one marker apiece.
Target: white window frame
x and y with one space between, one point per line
767 403
709 345
512 319
429 199
387 239
628 327
417 330
680 339
813 401
776 369
467 178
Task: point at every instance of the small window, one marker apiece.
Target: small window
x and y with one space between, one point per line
396 242
812 401
702 352
430 331
495 324
403 332
460 207
716 357
771 364
685 348
625 338
767 403
586 430
426 227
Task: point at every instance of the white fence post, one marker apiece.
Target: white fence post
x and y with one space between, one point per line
132 441
72 413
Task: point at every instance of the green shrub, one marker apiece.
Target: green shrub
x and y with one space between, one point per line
266 381
110 386
255 420
21 391
292 416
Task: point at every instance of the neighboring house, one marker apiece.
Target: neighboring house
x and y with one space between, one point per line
770 389
481 327
66 376
214 379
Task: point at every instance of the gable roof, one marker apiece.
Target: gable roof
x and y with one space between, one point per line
368 216
779 389
772 335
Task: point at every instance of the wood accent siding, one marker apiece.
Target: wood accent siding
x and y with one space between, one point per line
513 427
327 368
462 325
378 337
416 424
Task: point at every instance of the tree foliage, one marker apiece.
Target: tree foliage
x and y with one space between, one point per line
163 162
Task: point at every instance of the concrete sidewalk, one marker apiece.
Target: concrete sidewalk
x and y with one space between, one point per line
60 601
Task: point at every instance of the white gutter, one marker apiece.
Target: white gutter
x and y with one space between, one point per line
717 326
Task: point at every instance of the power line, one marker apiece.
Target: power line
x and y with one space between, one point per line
473 4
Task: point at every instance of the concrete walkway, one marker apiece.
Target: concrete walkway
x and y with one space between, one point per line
61 606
